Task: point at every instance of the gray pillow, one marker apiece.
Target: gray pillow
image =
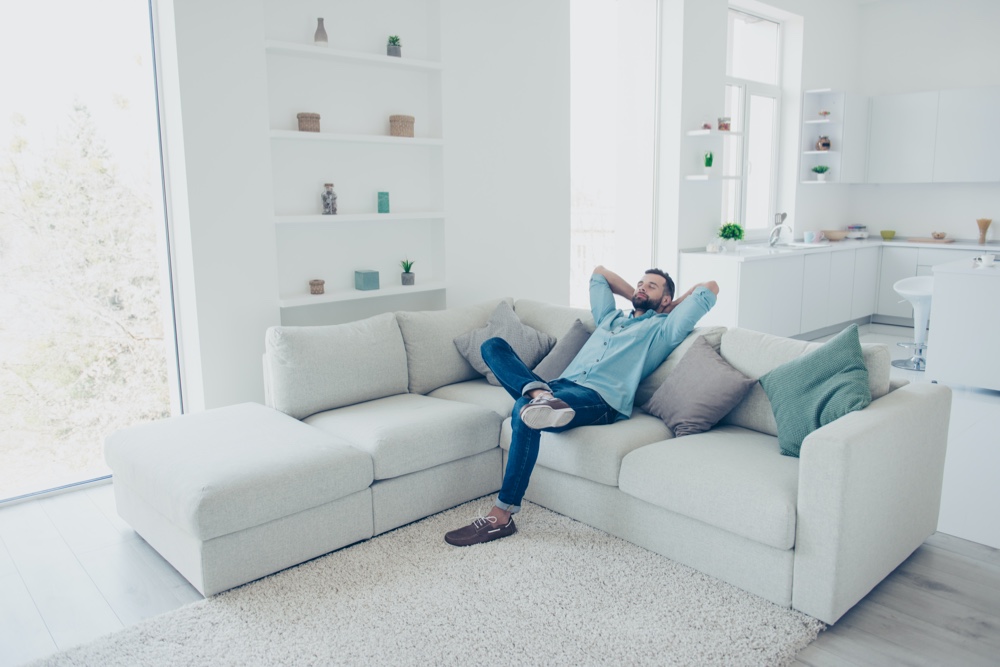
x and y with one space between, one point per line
700 391
565 351
529 344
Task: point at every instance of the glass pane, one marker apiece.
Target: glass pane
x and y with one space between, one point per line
612 124
83 348
733 156
760 161
753 48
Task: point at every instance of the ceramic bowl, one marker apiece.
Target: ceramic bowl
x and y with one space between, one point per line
835 234
938 235
887 234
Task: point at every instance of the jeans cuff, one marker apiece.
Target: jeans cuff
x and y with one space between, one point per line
513 509
534 385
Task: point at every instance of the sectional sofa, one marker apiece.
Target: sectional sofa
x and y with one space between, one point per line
374 424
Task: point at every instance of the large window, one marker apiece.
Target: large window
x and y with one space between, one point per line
753 98
612 142
86 328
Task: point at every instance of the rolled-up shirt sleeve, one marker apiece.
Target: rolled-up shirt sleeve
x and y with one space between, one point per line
602 299
685 316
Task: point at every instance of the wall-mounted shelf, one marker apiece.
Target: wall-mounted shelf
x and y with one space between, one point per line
311 51
709 177
295 135
716 133
356 217
356 295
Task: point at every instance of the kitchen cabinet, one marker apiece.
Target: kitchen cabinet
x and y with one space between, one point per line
865 285
845 124
770 295
901 138
967 144
827 289
897 263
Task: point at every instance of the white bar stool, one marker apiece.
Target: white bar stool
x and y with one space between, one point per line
917 291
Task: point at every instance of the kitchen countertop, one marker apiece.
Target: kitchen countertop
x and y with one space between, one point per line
968 267
760 250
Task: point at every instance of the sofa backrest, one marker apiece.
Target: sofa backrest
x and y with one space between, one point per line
429 339
553 320
315 368
754 353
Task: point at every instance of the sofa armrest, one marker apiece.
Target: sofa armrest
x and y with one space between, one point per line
869 494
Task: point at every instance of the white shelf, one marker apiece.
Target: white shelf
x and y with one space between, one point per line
295 135
719 133
819 122
820 152
356 217
707 177
357 295
312 51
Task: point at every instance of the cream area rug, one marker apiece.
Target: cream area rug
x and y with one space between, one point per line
556 593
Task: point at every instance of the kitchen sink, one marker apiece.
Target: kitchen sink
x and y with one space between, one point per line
763 250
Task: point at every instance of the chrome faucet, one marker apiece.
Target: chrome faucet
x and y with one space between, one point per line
779 224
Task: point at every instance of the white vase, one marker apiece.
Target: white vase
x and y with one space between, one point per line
821 178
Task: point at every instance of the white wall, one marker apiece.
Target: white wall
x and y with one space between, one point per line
921 45
215 120
506 126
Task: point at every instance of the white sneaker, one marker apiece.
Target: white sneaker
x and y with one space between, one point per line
547 412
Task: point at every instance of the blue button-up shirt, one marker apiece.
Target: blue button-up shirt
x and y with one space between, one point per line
624 349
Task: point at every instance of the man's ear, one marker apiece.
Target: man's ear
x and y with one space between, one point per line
665 304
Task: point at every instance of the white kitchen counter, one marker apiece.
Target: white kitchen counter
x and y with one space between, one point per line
965 325
758 251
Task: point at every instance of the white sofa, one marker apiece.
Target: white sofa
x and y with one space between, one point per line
390 423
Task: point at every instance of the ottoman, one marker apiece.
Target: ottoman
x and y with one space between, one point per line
233 494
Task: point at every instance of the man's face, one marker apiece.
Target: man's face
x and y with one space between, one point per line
650 294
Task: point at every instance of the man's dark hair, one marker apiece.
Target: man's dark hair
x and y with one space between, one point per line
670 283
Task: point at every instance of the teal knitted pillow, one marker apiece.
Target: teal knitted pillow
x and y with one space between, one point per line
817 388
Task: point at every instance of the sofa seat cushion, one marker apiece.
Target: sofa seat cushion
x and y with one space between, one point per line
220 471
409 433
595 452
730 477
477 392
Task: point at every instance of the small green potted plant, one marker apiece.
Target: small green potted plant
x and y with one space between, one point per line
730 233
709 159
407 275
820 171
394 47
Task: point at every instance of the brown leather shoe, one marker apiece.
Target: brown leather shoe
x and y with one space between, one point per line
546 412
483 529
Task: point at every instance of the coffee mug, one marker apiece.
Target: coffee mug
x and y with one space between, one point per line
988 259
810 237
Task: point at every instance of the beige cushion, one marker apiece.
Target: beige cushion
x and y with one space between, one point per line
729 477
566 348
477 392
528 343
653 381
318 368
553 320
754 353
409 432
221 471
595 452
431 355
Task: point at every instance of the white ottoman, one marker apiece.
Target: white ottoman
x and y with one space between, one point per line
233 494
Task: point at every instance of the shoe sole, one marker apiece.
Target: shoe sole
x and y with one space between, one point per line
478 541
539 417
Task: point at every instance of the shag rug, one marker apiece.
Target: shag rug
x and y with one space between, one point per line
557 593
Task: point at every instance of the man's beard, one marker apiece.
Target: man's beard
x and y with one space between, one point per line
644 303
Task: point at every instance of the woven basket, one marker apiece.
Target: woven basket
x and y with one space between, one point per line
401 126
308 122
316 286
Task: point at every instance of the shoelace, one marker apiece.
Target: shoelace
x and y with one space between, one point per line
483 520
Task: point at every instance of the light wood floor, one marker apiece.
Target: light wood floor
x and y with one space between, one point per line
71 571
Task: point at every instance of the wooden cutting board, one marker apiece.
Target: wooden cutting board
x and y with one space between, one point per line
926 240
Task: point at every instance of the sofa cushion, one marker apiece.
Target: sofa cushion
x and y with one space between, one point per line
221 471
566 348
477 392
817 388
652 382
528 343
318 368
699 392
553 320
595 452
409 432
731 478
431 356
754 353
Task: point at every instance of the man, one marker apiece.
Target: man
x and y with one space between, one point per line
598 387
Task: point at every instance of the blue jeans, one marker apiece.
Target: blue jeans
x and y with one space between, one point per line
517 379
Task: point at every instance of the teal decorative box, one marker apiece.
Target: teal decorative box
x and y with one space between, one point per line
383 202
365 279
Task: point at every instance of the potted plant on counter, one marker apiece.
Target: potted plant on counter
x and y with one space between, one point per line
394 47
407 275
820 171
730 233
